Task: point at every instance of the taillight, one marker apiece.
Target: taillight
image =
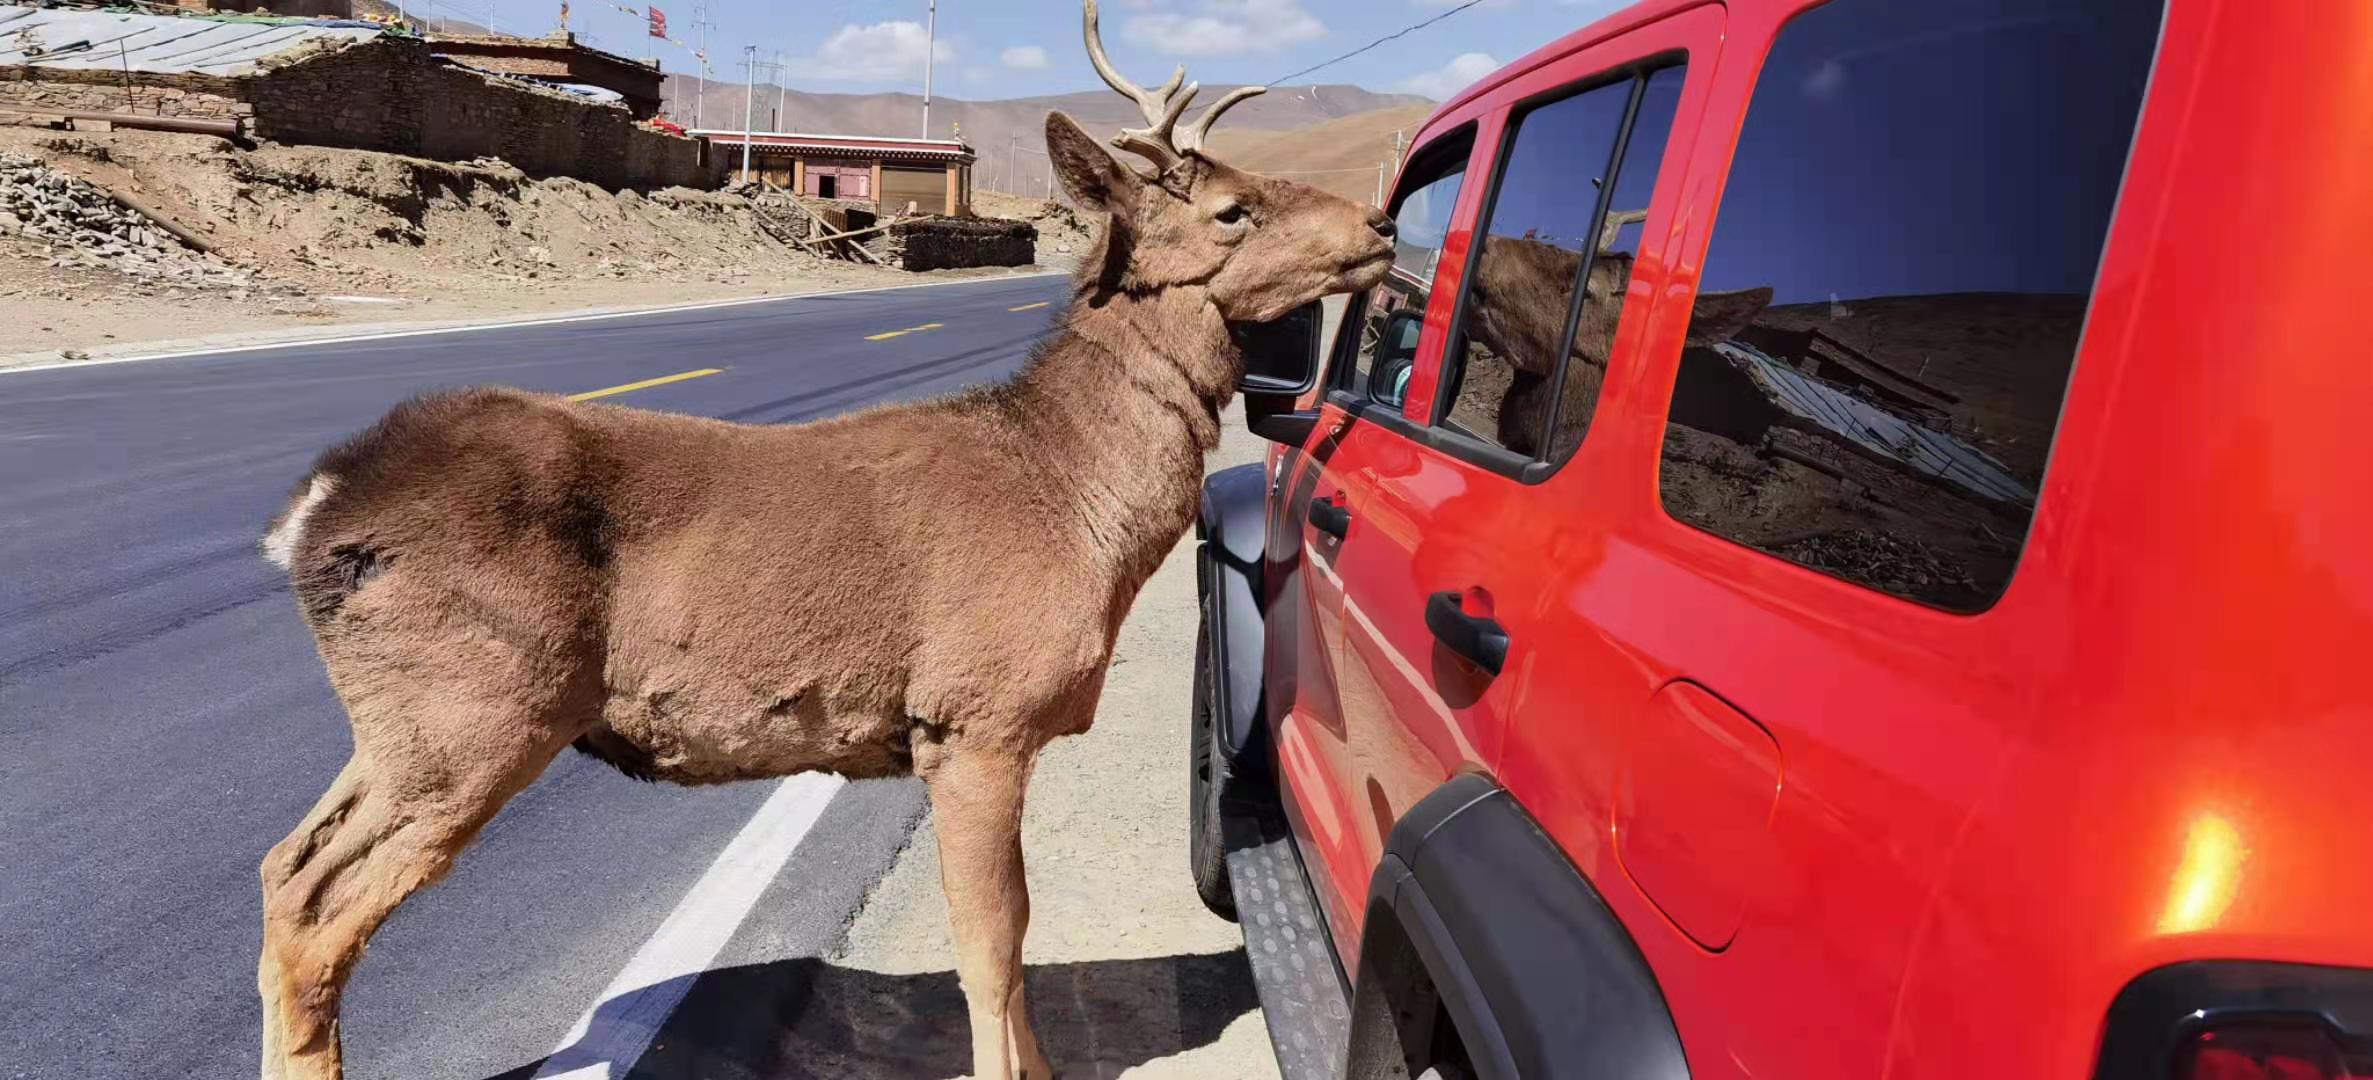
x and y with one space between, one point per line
2271 1052
2240 1020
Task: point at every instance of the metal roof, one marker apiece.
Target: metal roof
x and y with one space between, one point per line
932 144
843 146
158 44
1883 433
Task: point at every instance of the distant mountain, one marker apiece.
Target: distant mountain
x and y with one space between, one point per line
1007 134
1339 155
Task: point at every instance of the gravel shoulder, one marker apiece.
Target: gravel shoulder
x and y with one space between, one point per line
1127 974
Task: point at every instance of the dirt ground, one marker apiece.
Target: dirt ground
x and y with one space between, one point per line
365 241
1127 974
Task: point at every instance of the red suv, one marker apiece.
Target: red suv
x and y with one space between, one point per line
1841 550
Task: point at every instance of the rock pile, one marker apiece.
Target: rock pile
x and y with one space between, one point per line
82 225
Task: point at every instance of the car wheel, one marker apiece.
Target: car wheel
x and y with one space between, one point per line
1207 778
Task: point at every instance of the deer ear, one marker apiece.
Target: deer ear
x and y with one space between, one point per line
1093 178
1719 316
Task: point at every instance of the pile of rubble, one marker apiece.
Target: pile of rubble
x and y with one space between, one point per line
79 224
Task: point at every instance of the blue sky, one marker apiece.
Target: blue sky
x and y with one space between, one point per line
1014 48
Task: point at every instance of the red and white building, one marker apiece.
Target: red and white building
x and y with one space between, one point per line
933 174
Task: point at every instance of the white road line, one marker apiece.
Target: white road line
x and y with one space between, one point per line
513 324
612 1035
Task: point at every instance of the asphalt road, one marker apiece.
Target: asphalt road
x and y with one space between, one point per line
163 719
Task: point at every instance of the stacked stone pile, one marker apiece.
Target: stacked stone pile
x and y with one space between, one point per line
81 225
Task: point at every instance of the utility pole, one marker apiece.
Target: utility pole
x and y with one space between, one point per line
749 102
930 39
700 18
1011 140
751 64
782 92
489 18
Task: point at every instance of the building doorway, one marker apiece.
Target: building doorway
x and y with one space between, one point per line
828 187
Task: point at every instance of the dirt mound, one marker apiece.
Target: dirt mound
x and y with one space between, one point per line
317 219
317 234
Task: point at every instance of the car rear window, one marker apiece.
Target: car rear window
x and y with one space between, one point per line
1896 285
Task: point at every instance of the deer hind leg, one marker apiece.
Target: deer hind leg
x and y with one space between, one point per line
976 806
391 823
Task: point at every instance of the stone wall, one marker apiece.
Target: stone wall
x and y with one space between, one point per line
939 243
50 89
392 95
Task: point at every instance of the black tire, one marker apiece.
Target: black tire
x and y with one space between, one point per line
1208 776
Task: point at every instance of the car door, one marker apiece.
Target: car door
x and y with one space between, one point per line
1375 347
1451 544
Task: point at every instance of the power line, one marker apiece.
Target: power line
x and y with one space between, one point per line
1402 32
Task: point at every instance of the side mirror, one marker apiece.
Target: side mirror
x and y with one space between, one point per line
1396 355
1281 357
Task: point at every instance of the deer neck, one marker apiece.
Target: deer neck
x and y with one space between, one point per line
1126 397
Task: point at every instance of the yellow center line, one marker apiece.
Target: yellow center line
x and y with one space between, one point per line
660 381
1031 307
908 330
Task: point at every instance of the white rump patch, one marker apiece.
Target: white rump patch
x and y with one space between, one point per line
280 545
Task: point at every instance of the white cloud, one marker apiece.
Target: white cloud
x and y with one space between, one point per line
1460 73
1024 58
883 52
1226 28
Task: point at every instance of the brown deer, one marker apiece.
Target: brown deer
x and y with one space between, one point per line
492 576
1519 300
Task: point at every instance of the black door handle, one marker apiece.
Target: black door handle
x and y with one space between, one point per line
1329 518
1476 637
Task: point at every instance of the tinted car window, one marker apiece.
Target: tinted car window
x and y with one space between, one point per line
1520 297
1610 271
1421 218
1896 283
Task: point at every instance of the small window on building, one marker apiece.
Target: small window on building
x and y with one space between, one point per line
1896 283
1390 312
1537 331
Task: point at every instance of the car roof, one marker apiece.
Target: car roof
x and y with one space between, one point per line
1615 23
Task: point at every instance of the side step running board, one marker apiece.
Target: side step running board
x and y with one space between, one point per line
1293 971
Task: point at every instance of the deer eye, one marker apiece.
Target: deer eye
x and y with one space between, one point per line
1231 214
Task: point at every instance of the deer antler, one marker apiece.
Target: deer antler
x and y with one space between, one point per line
1616 220
1160 141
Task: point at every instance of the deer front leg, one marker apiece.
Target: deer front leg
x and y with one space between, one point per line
976 803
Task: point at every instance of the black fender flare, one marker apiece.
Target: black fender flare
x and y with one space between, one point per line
1233 527
1539 977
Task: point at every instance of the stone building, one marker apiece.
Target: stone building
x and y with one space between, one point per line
558 58
330 84
933 174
